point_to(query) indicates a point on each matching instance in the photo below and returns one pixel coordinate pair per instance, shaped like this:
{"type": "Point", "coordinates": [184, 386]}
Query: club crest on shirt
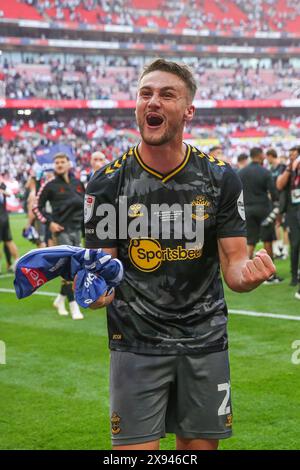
{"type": "Point", "coordinates": [115, 423]}
{"type": "Point", "coordinates": [201, 200]}
{"type": "Point", "coordinates": [199, 204]}
{"type": "Point", "coordinates": [228, 421]}
{"type": "Point", "coordinates": [135, 210]}
{"type": "Point", "coordinates": [89, 202]}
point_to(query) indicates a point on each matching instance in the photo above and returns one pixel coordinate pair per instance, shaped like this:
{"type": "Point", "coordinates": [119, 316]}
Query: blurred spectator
{"type": "Point", "coordinates": [289, 183]}
{"type": "Point", "coordinates": [217, 152]}
{"type": "Point", "coordinates": [242, 161]}
{"type": "Point", "coordinates": [80, 77]}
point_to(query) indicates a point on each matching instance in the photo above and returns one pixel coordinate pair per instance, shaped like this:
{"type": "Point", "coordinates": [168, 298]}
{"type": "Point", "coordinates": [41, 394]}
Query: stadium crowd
{"type": "Point", "coordinates": [78, 77]}
{"type": "Point", "coordinates": [19, 138]}
{"type": "Point", "coordinates": [85, 137]}
{"type": "Point", "coordinates": [239, 16]}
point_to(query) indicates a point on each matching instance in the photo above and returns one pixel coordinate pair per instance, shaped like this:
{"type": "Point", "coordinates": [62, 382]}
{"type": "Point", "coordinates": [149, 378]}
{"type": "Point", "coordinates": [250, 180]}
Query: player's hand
{"type": "Point", "coordinates": [278, 220]}
{"type": "Point", "coordinates": [257, 270]}
{"type": "Point", "coordinates": [103, 301]}
{"type": "Point", "coordinates": [55, 228]}
{"type": "Point", "coordinates": [295, 164]}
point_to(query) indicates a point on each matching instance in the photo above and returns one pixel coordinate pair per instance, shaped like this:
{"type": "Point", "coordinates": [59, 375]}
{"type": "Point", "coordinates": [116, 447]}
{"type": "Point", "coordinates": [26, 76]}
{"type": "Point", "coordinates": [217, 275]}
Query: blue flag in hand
{"type": "Point", "coordinates": [97, 272]}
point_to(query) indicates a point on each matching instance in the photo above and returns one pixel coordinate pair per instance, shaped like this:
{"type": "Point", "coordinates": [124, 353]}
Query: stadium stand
{"type": "Point", "coordinates": [80, 77]}
{"type": "Point", "coordinates": [272, 15]}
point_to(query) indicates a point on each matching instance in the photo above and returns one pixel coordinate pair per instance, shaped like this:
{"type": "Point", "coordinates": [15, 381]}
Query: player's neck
{"type": "Point", "coordinates": [162, 158]}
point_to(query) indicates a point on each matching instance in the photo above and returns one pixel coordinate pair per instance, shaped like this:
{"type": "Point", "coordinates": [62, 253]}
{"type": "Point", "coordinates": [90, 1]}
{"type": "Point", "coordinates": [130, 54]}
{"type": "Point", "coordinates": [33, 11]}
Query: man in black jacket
{"type": "Point", "coordinates": [65, 193]}
{"type": "Point", "coordinates": [259, 193]}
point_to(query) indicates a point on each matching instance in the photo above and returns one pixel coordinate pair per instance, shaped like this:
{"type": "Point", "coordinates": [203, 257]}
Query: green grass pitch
{"type": "Point", "coordinates": [54, 385]}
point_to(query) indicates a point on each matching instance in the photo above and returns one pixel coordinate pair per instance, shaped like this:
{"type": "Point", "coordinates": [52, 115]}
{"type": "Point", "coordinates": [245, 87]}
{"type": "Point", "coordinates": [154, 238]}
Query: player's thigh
{"type": "Point", "coordinates": [268, 234]}
{"type": "Point", "coordinates": [6, 233]}
{"type": "Point", "coordinates": [139, 389]}
{"type": "Point", "coordinates": [202, 408]}
{"type": "Point", "coordinates": [253, 226]}
{"type": "Point", "coordinates": [75, 237]}
{"type": "Point", "coordinates": [293, 227]}
{"type": "Point", "coordinates": [62, 238]}
{"type": "Point", "coordinates": [41, 230]}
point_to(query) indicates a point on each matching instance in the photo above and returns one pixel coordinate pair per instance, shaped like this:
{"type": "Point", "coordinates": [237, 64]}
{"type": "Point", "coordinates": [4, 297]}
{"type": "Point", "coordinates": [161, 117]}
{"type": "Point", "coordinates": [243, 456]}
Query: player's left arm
{"type": "Point", "coordinates": [240, 273]}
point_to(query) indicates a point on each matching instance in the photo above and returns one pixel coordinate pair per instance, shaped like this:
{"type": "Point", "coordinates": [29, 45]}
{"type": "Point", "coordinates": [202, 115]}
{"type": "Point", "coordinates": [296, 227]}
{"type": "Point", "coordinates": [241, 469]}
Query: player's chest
{"type": "Point", "coordinates": [155, 204]}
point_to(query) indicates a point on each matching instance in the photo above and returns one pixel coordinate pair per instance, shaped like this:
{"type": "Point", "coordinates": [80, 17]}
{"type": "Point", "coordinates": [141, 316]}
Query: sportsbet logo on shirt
{"type": "Point", "coordinates": [147, 255]}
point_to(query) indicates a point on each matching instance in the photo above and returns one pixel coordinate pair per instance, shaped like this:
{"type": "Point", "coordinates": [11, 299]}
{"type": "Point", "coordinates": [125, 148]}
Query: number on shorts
{"type": "Point", "coordinates": [224, 409]}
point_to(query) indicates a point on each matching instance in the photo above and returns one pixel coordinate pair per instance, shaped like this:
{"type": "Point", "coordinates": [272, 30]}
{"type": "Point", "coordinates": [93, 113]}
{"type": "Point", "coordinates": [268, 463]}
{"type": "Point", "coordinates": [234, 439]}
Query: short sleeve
{"type": "Point", "coordinates": [231, 220]}
{"type": "Point", "coordinates": [101, 211]}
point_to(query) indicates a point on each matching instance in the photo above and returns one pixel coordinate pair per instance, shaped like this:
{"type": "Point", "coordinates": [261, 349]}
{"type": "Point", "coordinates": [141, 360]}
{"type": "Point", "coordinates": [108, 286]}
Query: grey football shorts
{"type": "Point", "coordinates": [69, 237]}
{"type": "Point", "coordinates": [154, 395]}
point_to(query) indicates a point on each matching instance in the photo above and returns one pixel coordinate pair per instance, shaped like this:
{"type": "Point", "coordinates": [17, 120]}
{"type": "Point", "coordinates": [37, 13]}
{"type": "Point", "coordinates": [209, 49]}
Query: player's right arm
{"type": "Point", "coordinates": [101, 190]}
{"type": "Point", "coordinates": [105, 300]}
{"type": "Point", "coordinates": [39, 210]}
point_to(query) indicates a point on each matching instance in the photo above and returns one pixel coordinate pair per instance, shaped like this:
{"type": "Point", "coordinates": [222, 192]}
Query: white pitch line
{"type": "Point", "coordinates": [12, 291]}
{"type": "Point", "coordinates": [261, 314]}
{"type": "Point", "coordinates": [247, 313]}
{"type": "Point", "coordinates": [3, 276]}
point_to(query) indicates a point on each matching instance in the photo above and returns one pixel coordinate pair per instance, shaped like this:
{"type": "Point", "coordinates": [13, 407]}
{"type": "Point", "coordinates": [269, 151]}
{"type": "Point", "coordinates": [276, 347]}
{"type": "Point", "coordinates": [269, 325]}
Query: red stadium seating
{"type": "Point", "coordinates": [216, 15]}
{"type": "Point", "coordinates": [19, 10]}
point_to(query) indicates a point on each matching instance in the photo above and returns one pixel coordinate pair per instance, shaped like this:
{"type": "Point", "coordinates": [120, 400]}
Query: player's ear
{"type": "Point", "coordinates": [189, 113]}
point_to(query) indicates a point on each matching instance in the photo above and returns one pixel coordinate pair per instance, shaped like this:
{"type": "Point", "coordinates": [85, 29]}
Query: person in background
{"type": "Point", "coordinates": [65, 193]}
{"type": "Point", "coordinates": [5, 232]}
{"type": "Point", "coordinates": [289, 183]}
{"type": "Point", "coordinates": [98, 160]}
{"type": "Point", "coordinates": [217, 152]}
{"type": "Point", "coordinates": [242, 161]}
{"type": "Point", "coordinates": [281, 244]}
{"type": "Point", "coordinates": [259, 197]}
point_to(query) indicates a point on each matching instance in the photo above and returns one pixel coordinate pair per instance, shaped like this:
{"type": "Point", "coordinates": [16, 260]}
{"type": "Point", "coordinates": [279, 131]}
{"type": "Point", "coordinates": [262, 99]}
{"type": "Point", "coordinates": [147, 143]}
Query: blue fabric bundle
{"type": "Point", "coordinates": [97, 272]}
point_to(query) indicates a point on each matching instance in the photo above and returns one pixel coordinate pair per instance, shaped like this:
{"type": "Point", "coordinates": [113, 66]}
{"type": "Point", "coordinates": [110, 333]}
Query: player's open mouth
{"type": "Point", "coordinates": [154, 120]}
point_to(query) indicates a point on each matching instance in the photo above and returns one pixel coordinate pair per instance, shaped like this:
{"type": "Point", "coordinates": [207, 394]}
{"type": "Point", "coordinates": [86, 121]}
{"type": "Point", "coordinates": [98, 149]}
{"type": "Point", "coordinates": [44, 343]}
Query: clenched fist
{"type": "Point", "coordinates": [257, 270]}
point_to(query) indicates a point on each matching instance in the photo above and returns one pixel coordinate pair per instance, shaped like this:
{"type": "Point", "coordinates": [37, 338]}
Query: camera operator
{"type": "Point", "coordinates": [289, 182]}
{"type": "Point", "coordinates": [281, 244]}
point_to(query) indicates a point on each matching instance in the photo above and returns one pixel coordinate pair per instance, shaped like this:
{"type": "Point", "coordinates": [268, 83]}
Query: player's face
{"type": "Point", "coordinates": [97, 163]}
{"type": "Point", "coordinates": [163, 107]}
{"type": "Point", "coordinates": [218, 153]}
{"type": "Point", "coordinates": [261, 158]}
{"type": "Point", "coordinates": [61, 166]}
